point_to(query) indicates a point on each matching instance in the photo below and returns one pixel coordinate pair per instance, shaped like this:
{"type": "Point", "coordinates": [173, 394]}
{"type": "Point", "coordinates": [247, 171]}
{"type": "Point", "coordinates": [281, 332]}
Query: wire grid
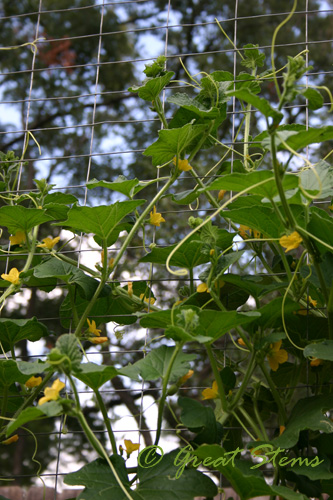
{"type": "Point", "coordinates": [92, 155]}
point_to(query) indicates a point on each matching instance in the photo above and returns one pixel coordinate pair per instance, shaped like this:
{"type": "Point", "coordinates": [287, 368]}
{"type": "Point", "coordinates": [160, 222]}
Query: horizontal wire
{"type": "Point", "coordinates": [176, 56]}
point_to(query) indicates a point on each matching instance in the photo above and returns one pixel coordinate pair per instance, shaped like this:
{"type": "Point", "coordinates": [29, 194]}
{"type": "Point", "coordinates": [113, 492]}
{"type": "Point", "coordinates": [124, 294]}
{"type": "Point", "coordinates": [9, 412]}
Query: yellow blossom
{"type": "Point", "coordinates": [184, 378]}
{"type": "Point", "coordinates": [202, 288]}
{"type": "Point", "coordinates": [150, 301]}
{"type": "Point", "coordinates": [98, 340]}
{"type": "Point", "coordinates": [316, 362]}
{"type": "Point", "coordinates": [221, 194]}
{"type": "Point", "coordinates": [111, 261]}
{"type": "Point", "coordinates": [13, 276]}
{"type": "Point", "coordinates": [130, 288]}
{"type": "Point", "coordinates": [257, 452]}
{"type": "Point", "coordinates": [212, 252]}
{"type": "Point", "coordinates": [92, 328]}
{"type": "Point", "coordinates": [241, 342]}
{"type": "Point", "coordinates": [246, 231]}
{"type": "Point", "coordinates": [49, 242]}
{"type": "Point", "coordinates": [33, 382]}
{"type": "Point", "coordinates": [10, 440]}
{"type": "Point", "coordinates": [276, 356]}
{"type": "Point", "coordinates": [17, 238]}
{"type": "Point", "coordinates": [155, 218]}
{"type": "Point", "coordinates": [211, 393]}
{"type": "Point", "coordinates": [183, 165]}
{"type": "Point", "coordinates": [291, 241]}
{"type": "Point", "coordinates": [282, 429]}
{"type": "Point", "coordinates": [313, 302]}
{"type": "Point", "coordinates": [130, 447]}
{"type": "Point", "coordinates": [52, 393]}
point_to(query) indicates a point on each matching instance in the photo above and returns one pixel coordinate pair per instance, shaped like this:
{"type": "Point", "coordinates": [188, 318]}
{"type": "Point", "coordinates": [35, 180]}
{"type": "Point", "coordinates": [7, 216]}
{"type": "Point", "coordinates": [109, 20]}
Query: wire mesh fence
{"type": "Point", "coordinates": [67, 93]}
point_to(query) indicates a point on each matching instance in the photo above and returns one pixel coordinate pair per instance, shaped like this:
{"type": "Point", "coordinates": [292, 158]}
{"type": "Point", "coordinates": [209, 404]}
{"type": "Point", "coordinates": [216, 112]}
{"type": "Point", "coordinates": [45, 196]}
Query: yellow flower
{"type": "Point", "coordinates": [212, 252]}
{"type": "Point", "coordinates": [92, 328]}
{"type": "Point", "coordinates": [52, 393]}
{"type": "Point", "coordinates": [202, 288]}
{"type": "Point", "coordinates": [282, 429]}
{"type": "Point", "coordinates": [211, 393]}
{"type": "Point", "coordinates": [130, 447]}
{"type": "Point", "coordinates": [316, 362]}
{"type": "Point", "coordinates": [150, 301]}
{"type": "Point", "coordinates": [221, 194]}
{"type": "Point", "coordinates": [290, 242]}
{"type": "Point", "coordinates": [313, 302]}
{"type": "Point", "coordinates": [49, 242]}
{"type": "Point", "coordinates": [130, 288]}
{"type": "Point", "coordinates": [33, 382]}
{"type": "Point", "coordinates": [246, 231]}
{"type": "Point", "coordinates": [155, 218]}
{"type": "Point", "coordinates": [18, 238]}
{"type": "Point", "coordinates": [98, 340]}
{"type": "Point", "coordinates": [276, 356]}
{"type": "Point", "coordinates": [111, 261]}
{"type": "Point", "coordinates": [183, 165]}
{"type": "Point", "coordinates": [13, 276]}
{"type": "Point", "coordinates": [241, 342]}
{"type": "Point", "coordinates": [184, 378]}
{"type": "Point", "coordinates": [10, 440]}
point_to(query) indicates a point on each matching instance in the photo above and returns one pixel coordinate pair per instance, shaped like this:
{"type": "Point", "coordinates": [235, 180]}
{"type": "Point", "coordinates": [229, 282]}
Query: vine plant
{"type": "Point", "coordinates": [263, 203]}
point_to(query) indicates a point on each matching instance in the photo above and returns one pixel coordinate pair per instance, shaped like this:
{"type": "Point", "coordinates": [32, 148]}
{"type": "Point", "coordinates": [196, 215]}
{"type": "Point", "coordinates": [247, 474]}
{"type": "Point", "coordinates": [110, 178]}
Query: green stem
{"type": "Point", "coordinates": [89, 307]}
{"type": "Point", "coordinates": [275, 393]}
{"type": "Point", "coordinates": [191, 281]}
{"type": "Point", "coordinates": [243, 387]}
{"type": "Point", "coordinates": [251, 422]}
{"type": "Point", "coordinates": [178, 347]}
{"type": "Point", "coordinates": [259, 420]}
{"type": "Point", "coordinates": [4, 405]}
{"type": "Point", "coordinates": [107, 421]}
{"type": "Point", "coordinates": [247, 130]}
{"type": "Point", "coordinates": [160, 111]}
{"type": "Point", "coordinates": [218, 379]}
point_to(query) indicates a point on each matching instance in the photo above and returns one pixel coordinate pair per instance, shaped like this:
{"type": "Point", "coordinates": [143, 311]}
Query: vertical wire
{"type": "Point", "coordinates": [154, 228]}
{"type": "Point", "coordinates": [85, 202]}
{"type": "Point", "coordinates": [26, 135]}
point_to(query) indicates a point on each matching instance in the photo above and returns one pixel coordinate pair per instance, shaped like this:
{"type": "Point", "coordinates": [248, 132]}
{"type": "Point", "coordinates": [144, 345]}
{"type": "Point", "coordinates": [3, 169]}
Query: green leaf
{"type": "Point", "coordinates": [94, 376]}
{"type": "Point", "coordinates": [18, 218]}
{"type": "Point", "coordinates": [172, 142]}
{"type": "Point", "coordinates": [185, 197]}
{"type": "Point", "coordinates": [318, 180]}
{"type": "Point", "coordinates": [258, 102]}
{"type": "Point", "coordinates": [322, 350]}
{"type": "Point", "coordinates": [308, 413]}
{"type": "Point", "coordinates": [155, 364]}
{"type": "Point", "coordinates": [238, 182]}
{"type": "Point", "coordinates": [128, 187]}
{"type": "Point", "coordinates": [253, 58]}
{"type": "Point", "coordinates": [247, 483]}
{"type": "Point", "coordinates": [67, 346]}
{"type": "Point", "coordinates": [56, 204]}
{"type": "Point", "coordinates": [160, 482]}
{"type": "Point", "coordinates": [101, 220]}
{"type": "Point", "coordinates": [49, 409]}
{"type": "Point", "coordinates": [315, 99]}
{"type": "Point", "coordinates": [300, 139]}
{"type": "Point", "coordinates": [257, 286]}
{"type": "Point", "coordinates": [9, 373]}
{"type": "Point", "coordinates": [184, 101]}
{"type": "Point", "coordinates": [321, 226]}
{"type": "Point", "coordinates": [151, 88]}
{"type": "Point", "coordinates": [32, 368]}
{"type": "Point", "coordinates": [201, 420]}
{"type": "Point", "coordinates": [189, 254]}
{"type": "Point", "coordinates": [55, 268]}
{"type": "Point", "coordinates": [99, 481]}
{"type": "Point", "coordinates": [15, 330]}
{"type": "Point", "coordinates": [321, 471]}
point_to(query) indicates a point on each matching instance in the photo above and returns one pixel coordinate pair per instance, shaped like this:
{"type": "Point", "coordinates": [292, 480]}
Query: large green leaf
{"type": "Point", "coordinates": [9, 373]}
{"type": "Point", "coordinates": [156, 363]}
{"type": "Point", "coordinates": [171, 142]}
{"type": "Point", "coordinates": [201, 420]}
{"type": "Point", "coordinates": [150, 89]}
{"type": "Point", "coordinates": [300, 139]}
{"type": "Point", "coordinates": [94, 376]}
{"type": "Point", "coordinates": [322, 350]}
{"type": "Point", "coordinates": [99, 481]}
{"type": "Point", "coordinates": [258, 102]}
{"type": "Point", "coordinates": [55, 268]}
{"type": "Point", "coordinates": [66, 354]}
{"type": "Point", "coordinates": [101, 220]}
{"type": "Point", "coordinates": [15, 330]}
{"type": "Point", "coordinates": [321, 226]}
{"type": "Point", "coordinates": [247, 483]}
{"type": "Point", "coordinates": [319, 180]}
{"type": "Point", "coordinates": [56, 204]}
{"type": "Point", "coordinates": [321, 471]}
{"type": "Point", "coordinates": [49, 409]}
{"type": "Point", "coordinates": [32, 368]}
{"type": "Point", "coordinates": [308, 413]}
{"type": "Point", "coordinates": [184, 101]}
{"type": "Point", "coordinates": [257, 286]}
{"type": "Point", "coordinates": [238, 182]}
{"type": "Point", "coordinates": [128, 187]}
{"type": "Point", "coordinates": [18, 218]}
{"type": "Point", "coordinates": [161, 482]}
{"type": "Point", "coordinates": [315, 99]}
